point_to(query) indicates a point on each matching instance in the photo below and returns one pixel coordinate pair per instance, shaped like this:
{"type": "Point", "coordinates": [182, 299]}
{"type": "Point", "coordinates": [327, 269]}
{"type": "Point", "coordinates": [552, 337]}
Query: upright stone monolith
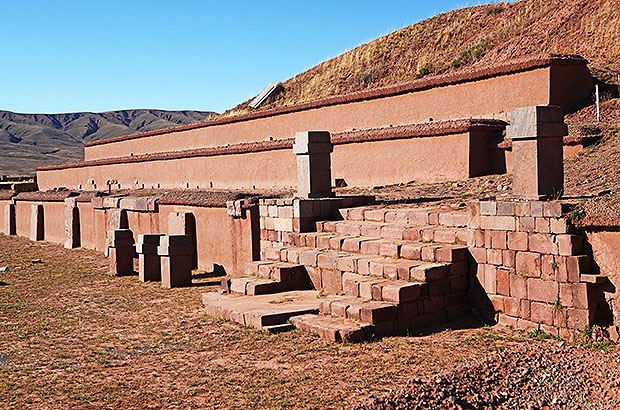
{"type": "Point", "coordinates": [537, 151]}
{"type": "Point", "coordinates": [149, 266]}
{"type": "Point", "coordinates": [9, 220]}
{"type": "Point", "coordinates": [314, 176]}
{"type": "Point", "coordinates": [37, 232]}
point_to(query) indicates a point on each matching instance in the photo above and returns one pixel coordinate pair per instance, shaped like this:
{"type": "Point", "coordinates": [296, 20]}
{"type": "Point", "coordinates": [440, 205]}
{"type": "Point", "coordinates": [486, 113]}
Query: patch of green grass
{"type": "Point", "coordinates": [539, 334]}
{"type": "Point", "coordinates": [473, 53]}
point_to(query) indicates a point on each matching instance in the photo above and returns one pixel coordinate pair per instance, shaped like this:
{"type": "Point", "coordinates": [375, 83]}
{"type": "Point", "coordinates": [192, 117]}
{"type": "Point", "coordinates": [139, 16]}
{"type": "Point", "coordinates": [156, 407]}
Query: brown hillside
{"type": "Point", "coordinates": [474, 36]}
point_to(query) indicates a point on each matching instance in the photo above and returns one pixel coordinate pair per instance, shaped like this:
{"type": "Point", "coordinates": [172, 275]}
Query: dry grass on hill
{"type": "Point", "coordinates": [474, 36]}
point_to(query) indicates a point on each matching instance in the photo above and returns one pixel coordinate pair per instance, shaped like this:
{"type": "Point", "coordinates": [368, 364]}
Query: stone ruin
{"type": "Point", "coordinates": [345, 267]}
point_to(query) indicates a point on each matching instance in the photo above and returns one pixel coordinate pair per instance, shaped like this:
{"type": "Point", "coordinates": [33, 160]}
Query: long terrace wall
{"type": "Point", "coordinates": [224, 242]}
{"type": "Point", "coordinates": [479, 93]}
{"type": "Point", "coordinates": [447, 150]}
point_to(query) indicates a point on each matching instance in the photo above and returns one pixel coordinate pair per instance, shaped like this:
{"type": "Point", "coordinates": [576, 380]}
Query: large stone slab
{"type": "Point", "coordinates": [261, 311]}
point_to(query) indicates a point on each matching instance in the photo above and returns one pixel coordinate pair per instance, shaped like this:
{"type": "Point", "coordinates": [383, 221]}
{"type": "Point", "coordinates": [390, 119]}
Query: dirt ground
{"type": "Point", "coordinates": [72, 337]}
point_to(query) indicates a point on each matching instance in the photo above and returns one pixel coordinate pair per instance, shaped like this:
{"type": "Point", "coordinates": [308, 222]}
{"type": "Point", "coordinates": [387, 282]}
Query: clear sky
{"type": "Point", "coordinates": [103, 55]}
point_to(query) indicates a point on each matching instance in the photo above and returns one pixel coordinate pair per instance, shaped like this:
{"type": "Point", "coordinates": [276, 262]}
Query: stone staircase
{"type": "Point", "coordinates": [378, 271]}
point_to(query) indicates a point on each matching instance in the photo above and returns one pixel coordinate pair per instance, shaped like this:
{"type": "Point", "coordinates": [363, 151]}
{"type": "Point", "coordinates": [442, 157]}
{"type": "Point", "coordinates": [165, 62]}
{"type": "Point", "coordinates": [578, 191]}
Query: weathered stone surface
{"type": "Point", "coordinates": [37, 232]}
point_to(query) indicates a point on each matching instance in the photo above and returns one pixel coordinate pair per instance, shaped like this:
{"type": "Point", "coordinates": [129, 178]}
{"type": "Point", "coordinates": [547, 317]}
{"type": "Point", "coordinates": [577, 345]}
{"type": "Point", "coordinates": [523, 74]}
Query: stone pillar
{"type": "Point", "coordinates": [184, 223]}
{"type": "Point", "coordinates": [72, 224]}
{"type": "Point", "coordinates": [36, 223]}
{"type": "Point", "coordinates": [121, 252]}
{"type": "Point", "coordinates": [9, 219]}
{"type": "Point", "coordinates": [314, 175]}
{"type": "Point", "coordinates": [176, 261]}
{"type": "Point", "coordinates": [148, 260]}
{"type": "Point", "coordinates": [537, 151]}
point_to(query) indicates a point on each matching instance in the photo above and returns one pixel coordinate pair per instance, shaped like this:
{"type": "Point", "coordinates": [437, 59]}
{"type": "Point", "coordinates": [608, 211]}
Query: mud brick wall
{"type": "Point", "coordinates": [529, 268]}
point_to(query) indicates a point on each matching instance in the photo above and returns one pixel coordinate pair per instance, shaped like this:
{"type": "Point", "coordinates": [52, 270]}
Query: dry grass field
{"type": "Point", "coordinates": [72, 337]}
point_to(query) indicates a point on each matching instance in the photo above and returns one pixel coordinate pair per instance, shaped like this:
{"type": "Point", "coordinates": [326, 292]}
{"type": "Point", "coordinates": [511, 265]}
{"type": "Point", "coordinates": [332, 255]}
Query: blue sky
{"type": "Point", "coordinates": [69, 56]}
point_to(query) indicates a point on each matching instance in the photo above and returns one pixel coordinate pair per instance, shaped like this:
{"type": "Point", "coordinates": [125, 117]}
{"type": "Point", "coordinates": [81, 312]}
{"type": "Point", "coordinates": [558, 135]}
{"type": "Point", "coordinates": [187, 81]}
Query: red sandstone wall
{"type": "Point", "coordinates": [3, 205]}
{"type": "Point", "coordinates": [145, 222]}
{"type": "Point", "coordinates": [493, 96]}
{"type": "Point", "coordinates": [221, 239]}
{"type": "Point", "coordinates": [260, 169]}
{"type": "Point", "coordinates": [438, 158]}
{"type": "Point", "coordinates": [529, 269]}
{"type": "Point", "coordinates": [569, 86]}
{"type": "Point", "coordinates": [389, 162]}
{"type": "Point", "coordinates": [53, 219]}
{"type": "Point", "coordinates": [22, 218]}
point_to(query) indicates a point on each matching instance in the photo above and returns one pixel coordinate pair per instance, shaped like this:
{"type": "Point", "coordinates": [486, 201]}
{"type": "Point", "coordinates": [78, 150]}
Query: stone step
{"type": "Point", "coordinates": [369, 265]}
{"type": "Point", "coordinates": [379, 289]}
{"type": "Point", "coordinates": [334, 329]}
{"type": "Point", "coordinates": [261, 311]}
{"type": "Point", "coordinates": [592, 278]}
{"type": "Point", "coordinates": [399, 231]}
{"type": "Point", "coordinates": [361, 310]}
{"type": "Point", "coordinates": [393, 248]}
{"type": "Point", "coordinates": [248, 285]}
{"type": "Point", "coordinates": [289, 276]}
{"type": "Point", "coordinates": [412, 216]}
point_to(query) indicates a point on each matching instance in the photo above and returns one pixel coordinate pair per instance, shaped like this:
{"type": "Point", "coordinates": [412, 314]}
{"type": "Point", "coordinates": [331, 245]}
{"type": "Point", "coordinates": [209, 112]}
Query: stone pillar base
{"type": "Point", "coordinates": [176, 261]}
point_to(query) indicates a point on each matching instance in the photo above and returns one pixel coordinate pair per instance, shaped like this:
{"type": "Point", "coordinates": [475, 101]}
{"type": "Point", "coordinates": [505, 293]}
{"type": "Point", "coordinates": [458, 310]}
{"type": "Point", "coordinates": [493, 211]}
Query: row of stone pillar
{"type": "Point", "coordinates": [165, 258]}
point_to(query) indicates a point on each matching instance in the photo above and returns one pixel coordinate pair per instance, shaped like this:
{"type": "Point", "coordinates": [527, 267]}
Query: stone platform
{"type": "Point", "coordinates": [270, 312]}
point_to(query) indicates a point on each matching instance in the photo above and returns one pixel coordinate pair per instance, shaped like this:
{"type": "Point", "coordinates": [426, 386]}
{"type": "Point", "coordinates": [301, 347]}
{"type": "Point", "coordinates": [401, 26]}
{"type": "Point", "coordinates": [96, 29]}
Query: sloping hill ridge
{"type": "Point", "coordinates": [32, 140]}
{"type": "Point", "coordinates": [465, 38]}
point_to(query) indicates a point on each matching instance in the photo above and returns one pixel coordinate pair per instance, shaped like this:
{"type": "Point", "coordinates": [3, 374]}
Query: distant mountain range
{"type": "Point", "coordinates": [32, 140]}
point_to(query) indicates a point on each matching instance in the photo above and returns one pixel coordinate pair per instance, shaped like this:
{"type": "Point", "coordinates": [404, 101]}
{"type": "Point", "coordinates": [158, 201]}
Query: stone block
{"type": "Point", "coordinates": [541, 313]}
{"type": "Point", "coordinates": [503, 282]}
{"type": "Point", "coordinates": [411, 251]}
{"type": "Point", "coordinates": [313, 149]}
{"type": "Point", "coordinates": [528, 264]}
{"type": "Point", "coordinates": [399, 293]}
{"type": "Point", "coordinates": [331, 281]}
{"type": "Point", "coordinates": [479, 255]}
{"type": "Point", "coordinates": [72, 225]}
{"type": "Point", "coordinates": [505, 208]}
{"type": "Point", "coordinates": [176, 270]}
{"type": "Point", "coordinates": [488, 208]}
{"type": "Point", "coordinates": [375, 215]}
{"type": "Point", "coordinates": [499, 240]}
{"type": "Point", "coordinates": [578, 319]}
{"type": "Point", "coordinates": [558, 225]}
{"type": "Point", "coordinates": [542, 290]}
{"type": "Point", "coordinates": [518, 286]}
{"type": "Point", "coordinates": [575, 266]}
{"type": "Point", "coordinates": [542, 225]}
{"type": "Point", "coordinates": [9, 220]}
{"type": "Point", "coordinates": [569, 245]}
{"type": "Point", "coordinates": [149, 267]}
{"type": "Point", "coordinates": [536, 121]}
{"type": "Point", "coordinates": [543, 243]}
{"type": "Point", "coordinates": [526, 224]}
{"type": "Point", "coordinates": [37, 232]}
{"type": "Point", "coordinates": [523, 208]}
{"type": "Point", "coordinates": [506, 223]}
{"type": "Point", "coordinates": [120, 260]}
{"type": "Point", "coordinates": [517, 241]}
{"type": "Point", "coordinates": [494, 256]}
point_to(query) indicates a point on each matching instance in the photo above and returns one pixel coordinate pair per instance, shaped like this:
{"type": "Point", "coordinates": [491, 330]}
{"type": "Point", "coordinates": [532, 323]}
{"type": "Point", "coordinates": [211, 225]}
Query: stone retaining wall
{"type": "Point", "coordinates": [530, 268]}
